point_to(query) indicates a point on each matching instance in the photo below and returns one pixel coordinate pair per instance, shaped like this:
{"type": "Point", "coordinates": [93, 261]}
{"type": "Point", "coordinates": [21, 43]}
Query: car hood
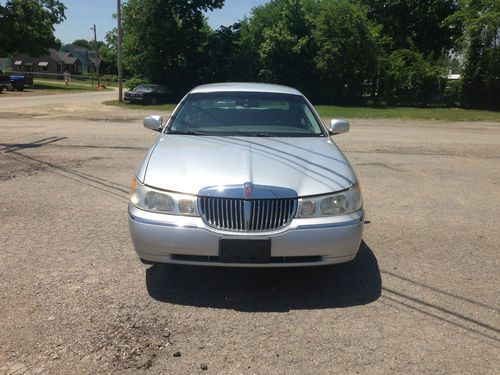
{"type": "Point", "coordinates": [187, 164]}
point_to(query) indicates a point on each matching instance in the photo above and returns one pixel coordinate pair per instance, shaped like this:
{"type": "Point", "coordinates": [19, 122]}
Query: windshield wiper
{"type": "Point", "coordinates": [188, 132]}
{"type": "Point", "coordinates": [261, 135]}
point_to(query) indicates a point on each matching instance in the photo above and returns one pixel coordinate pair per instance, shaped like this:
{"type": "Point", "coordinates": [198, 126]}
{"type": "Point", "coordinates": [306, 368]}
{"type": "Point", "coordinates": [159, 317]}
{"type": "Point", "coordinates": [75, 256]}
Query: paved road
{"type": "Point", "coordinates": [422, 297]}
{"type": "Point", "coordinates": [57, 100]}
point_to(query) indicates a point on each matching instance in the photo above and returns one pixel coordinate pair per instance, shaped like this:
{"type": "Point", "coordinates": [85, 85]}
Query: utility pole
{"type": "Point", "coordinates": [98, 60]}
{"type": "Point", "coordinates": [119, 48]}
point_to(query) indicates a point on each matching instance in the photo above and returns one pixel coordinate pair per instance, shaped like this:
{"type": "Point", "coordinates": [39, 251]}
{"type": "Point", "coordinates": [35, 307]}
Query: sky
{"type": "Point", "coordinates": [81, 15]}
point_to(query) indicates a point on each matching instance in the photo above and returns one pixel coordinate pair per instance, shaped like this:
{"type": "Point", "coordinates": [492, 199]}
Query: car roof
{"type": "Point", "coordinates": [245, 87]}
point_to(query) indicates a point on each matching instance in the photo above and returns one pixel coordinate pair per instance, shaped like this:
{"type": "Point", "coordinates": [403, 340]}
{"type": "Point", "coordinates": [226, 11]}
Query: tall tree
{"type": "Point", "coordinates": [480, 45]}
{"type": "Point", "coordinates": [281, 35]}
{"type": "Point", "coordinates": [162, 40]}
{"type": "Point", "coordinates": [348, 50]}
{"type": "Point", "coordinates": [28, 26]}
{"type": "Point", "coordinates": [224, 56]}
{"type": "Point", "coordinates": [416, 24]}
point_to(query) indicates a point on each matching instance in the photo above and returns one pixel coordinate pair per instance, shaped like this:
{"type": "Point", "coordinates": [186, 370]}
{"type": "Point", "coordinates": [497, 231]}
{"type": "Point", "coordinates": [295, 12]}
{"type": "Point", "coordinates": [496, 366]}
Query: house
{"type": "Point", "coordinates": [53, 62]}
{"type": "Point", "coordinates": [71, 58]}
{"type": "Point", "coordinates": [87, 58]}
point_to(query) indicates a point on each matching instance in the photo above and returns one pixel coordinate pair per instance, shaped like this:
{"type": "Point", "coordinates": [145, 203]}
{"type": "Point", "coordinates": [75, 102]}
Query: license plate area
{"type": "Point", "coordinates": [245, 251]}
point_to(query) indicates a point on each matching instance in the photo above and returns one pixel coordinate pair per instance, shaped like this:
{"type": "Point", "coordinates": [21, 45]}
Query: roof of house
{"type": "Point", "coordinates": [64, 57]}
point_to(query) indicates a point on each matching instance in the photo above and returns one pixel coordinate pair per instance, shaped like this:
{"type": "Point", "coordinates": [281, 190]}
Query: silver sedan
{"type": "Point", "coordinates": [245, 174]}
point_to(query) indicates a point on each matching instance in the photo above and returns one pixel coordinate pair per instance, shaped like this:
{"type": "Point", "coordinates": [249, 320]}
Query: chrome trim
{"type": "Point", "coordinates": [247, 215]}
{"type": "Point", "coordinates": [256, 192]}
{"type": "Point", "coordinates": [159, 223]}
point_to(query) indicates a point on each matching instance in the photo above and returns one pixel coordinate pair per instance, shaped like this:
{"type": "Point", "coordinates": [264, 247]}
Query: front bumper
{"type": "Point", "coordinates": [134, 99]}
{"type": "Point", "coordinates": [188, 240]}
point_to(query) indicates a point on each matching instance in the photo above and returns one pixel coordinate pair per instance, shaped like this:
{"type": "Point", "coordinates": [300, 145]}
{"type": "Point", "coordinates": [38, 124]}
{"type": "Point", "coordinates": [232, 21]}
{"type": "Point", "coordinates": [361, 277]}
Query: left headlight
{"type": "Point", "coordinates": [162, 202]}
{"type": "Point", "coordinates": [342, 203]}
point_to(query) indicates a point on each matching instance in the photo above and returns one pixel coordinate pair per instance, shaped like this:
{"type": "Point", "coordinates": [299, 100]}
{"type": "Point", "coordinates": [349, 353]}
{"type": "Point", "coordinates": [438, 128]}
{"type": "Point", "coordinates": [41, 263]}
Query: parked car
{"type": "Point", "coordinates": [147, 94]}
{"type": "Point", "coordinates": [5, 83]}
{"type": "Point", "coordinates": [245, 174]}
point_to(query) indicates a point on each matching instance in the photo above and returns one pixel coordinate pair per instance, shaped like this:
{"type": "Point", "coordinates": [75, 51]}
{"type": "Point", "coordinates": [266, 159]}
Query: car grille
{"type": "Point", "coordinates": [241, 215]}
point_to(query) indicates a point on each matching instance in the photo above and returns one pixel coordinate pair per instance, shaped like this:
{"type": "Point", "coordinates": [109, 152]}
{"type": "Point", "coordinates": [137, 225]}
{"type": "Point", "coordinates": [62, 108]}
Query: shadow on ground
{"type": "Point", "coordinates": [269, 290]}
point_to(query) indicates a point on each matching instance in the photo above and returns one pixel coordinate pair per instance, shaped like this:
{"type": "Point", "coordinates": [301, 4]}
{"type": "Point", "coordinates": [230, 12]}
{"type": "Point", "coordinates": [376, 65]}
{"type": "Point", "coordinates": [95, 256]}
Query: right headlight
{"type": "Point", "coordinates": [341, 203]}
{"type": "Point", "coordinates": [162, 202]}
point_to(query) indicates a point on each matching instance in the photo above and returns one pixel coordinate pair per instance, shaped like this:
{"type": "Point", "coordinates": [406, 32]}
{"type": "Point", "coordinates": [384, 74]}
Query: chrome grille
{"type": "Point", "coordinates": [246, 215]}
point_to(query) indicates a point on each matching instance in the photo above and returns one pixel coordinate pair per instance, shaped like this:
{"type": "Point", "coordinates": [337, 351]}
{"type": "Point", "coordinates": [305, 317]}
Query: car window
{"type": "Point", "coordinates": [143, 88]}
{"type": "Point", "coordinates": [246, 114]}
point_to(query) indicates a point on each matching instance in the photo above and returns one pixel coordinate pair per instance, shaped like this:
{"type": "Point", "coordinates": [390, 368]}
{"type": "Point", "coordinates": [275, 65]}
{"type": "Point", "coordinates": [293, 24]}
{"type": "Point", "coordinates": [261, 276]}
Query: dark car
{"type": "Point", "coordinates": [147, 93]}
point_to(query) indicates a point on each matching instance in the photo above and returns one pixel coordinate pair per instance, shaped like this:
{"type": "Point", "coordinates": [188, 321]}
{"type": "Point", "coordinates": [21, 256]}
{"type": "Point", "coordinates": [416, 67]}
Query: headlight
{"type": "Point", "coordinates": [343, 203]}
{"type": "Point", "coordinates": [163, 202]}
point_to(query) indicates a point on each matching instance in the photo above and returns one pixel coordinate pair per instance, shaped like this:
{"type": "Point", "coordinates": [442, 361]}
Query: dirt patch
{"type": "Point", "coordinates": [14, 168]}
{"type": "Point", "coordinates": [111, 119]}
{"type": "Point", "coordinates": [9, 115]}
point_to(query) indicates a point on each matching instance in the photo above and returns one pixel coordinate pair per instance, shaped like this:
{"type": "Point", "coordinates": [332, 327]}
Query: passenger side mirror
{"type": "Point", "coordinates": [153, 122]}
{"type": "Point", "coordinates": [338, 126]}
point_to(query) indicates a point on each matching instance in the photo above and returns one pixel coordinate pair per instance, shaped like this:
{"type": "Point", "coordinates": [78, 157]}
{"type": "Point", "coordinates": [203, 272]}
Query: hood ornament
{"type": "Point", "coordinates": [248, 189]}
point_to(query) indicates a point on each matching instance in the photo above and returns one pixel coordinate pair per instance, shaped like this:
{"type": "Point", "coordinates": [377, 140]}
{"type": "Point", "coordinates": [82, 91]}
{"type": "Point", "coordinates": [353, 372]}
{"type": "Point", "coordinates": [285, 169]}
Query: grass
{"type": "Point", "coordinates": [406, 113]}
{"type": "Point", "coordinates": [61, 87]}
{"type": "Point", "coordinates": [159, 107]}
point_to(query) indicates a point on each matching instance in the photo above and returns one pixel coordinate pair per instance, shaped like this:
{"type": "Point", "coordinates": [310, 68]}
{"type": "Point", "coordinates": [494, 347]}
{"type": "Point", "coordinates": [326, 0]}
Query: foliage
{"type": "Point", "coordinates": [89, 44]}
{"type": "Point", "coordinates": [452, 96]}
{"type": "Point", "coordinates": [409, 78]}
{"type": "Point", "coordinates": [27, 26]}
{"type": "Point", "coordinates": [416, 24]}
{"type": "Point", "coordinates": [162, 40]}
{"type": "Point", "coordinates": [481, 47]}
{"type": "Point", "coordinates": [348, 49]}
{"type": "Point", "coordinates": [135, 81]}
{"type": "Point", "coordinates": [225, 59]}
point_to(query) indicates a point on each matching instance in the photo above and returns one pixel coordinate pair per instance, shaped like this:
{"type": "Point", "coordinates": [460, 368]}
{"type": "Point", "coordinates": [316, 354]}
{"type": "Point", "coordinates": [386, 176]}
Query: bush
{"type": "Point", "coordinates": [410, 79]}
{"type": "Point", "coordinates": [109, 77]}
{"type": "Point", "coordinates": [453, 93]}
{"type": "Point", "coordinates": [132, 82]}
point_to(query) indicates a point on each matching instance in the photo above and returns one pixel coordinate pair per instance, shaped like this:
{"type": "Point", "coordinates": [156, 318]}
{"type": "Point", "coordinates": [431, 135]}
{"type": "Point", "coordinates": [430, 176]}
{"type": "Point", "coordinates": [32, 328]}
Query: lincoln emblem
{"type": "Point", "coordinates": [248, 189]}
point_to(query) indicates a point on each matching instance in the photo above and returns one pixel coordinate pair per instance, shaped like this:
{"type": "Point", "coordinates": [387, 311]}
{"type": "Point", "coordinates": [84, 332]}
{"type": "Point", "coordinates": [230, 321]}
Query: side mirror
{"type": "Point", "coordinates": [153, 123]}
{"type": "Point", "coordinates": [338, 126]}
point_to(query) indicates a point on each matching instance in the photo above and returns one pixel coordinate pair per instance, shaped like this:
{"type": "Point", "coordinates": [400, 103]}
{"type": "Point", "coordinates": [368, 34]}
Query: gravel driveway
{"type": "Point", "coordinates": [422, 296]}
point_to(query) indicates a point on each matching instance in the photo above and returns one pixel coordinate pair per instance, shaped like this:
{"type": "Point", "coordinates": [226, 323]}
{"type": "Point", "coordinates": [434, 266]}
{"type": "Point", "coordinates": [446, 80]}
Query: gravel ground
{"type": "Point", "coordinates": [422, 296]}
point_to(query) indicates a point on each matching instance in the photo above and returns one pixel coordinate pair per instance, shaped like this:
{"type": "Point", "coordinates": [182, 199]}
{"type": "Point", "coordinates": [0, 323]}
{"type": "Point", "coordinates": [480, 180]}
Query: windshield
{"type": "Point", "coordinates": [245, 114]}
{"type": "Point", "coordinates": [144, 88]}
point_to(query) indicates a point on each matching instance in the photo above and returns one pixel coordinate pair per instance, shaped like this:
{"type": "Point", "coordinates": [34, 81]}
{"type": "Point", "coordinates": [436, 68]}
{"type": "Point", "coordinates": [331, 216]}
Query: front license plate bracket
{"type": "Point", "coordinates": [245, 251]}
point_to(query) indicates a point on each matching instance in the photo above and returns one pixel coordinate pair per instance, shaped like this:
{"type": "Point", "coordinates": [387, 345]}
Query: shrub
{"type": "Point", "coordinates": [132, 82]}
{"type": "Point", "coordinates": [410, 79]}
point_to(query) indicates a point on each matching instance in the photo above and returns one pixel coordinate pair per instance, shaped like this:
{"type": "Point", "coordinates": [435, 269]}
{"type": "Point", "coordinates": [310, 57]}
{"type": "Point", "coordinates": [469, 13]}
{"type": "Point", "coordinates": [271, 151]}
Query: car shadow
{"type": "Point", "coordinates": [267, 289]}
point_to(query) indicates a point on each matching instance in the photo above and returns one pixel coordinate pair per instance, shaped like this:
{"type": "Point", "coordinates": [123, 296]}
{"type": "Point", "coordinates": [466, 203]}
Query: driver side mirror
{"type": "Point", "coordinates": [153, 122]}
{"type": "Point", "coordinates": [338, 126]}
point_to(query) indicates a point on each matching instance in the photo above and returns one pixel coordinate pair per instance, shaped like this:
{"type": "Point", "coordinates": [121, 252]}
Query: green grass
{"type": "Point", "coordinates": [159, 107]}
{"type": "Point", "coordinates": [47, 84]}
{"type": "Point", "coordinates": [406, 113]}
{"type": "Point", "coordinates": [56, 86]}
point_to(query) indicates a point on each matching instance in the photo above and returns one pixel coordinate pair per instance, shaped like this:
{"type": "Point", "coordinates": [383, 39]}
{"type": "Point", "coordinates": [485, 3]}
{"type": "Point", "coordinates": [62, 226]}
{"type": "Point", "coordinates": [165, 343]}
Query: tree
{"type": "Point", "coordinates": [416, 24]}
{"type": "Point", "coordinates": [410, 79]}
{"type": "Point", "coordinates": [348, 50]}
{"type": "Point", "coordinates": [480, 45]}
{"type": "Point", "coordinates": [89, 44]}
{"type": "Point", "coordinates": [224, 56]}
{"type": "Point", "coordinates": [27, 26]}
{"type": "Point", "coordinates": [163, 39]}
{"type": "Point", "coordinates": [278, 38]}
